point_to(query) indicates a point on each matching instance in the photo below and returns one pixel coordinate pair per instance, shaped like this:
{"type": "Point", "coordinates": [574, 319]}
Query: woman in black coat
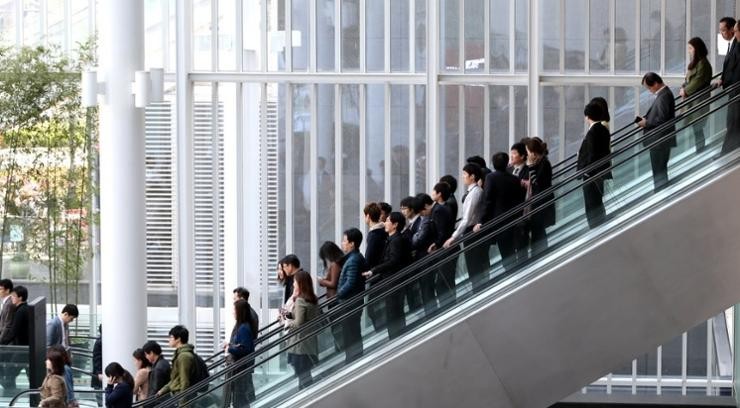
{"type": "Point", "coordinates": [540, 179]}
{"type": "Point", "coordinates": [120, 390]}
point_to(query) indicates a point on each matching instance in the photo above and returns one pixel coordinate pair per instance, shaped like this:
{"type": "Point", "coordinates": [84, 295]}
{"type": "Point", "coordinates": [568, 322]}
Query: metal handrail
{"type": "Point", "coordinates": [37, 391]}
{"type": "Point", "coordinates": [493, 228]}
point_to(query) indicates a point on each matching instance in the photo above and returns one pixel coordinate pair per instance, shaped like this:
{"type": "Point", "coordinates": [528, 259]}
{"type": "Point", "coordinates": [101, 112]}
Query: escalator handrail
{"type": "Point", "coordinates": [569, 163]}
{"type": "Point", "coordinates": [681, 104]}
{"type": "Point", "coordinates": [379, 292]}
{"type": "Point", "coordinates": [36, 391]}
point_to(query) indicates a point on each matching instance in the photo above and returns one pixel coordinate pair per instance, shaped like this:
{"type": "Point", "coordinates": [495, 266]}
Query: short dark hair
{"type": "Point", "coordinates": [592, 111]}
{"type": "Point", "coordinates": [442, 189]}
{"type": "Point", "coordinates": [179, 332]}
{"type": "Point", "coordinates": [651, 78]}
{"type": "Point", "coordinates": [481, 162]}
{"type": "Point", "coordinates": [729, 21]}
{"type": "Point", "coordinates": [397, 218]}
{"type": "Point", "coordinates": [7, 284]}
{"type": "Point", "coordinates": [473, 170]}
{"type": "Point", "coordinates": [385, 207]}
{"type": "Point", "coordinates": [21, 292]}
{"type": "Point", "coordinates": [71, 310]}
{"type": "Point", "coordinates": [520, 148]}
{"type": "Point", "coordinates": [372, 210]}
{"type": "Point", "coordinates": [291, 259]}
{"type": "Point", "coordinates": [152, 346]}
{"type": "Point", "coordinates": [500, 161]}
{"type": "Point", "coordinates": [411, 203]}
{"type": "Point", "coordinates": [604, 106]}
{"type": "Point", "coordinates": [451, 181]}
{"type": "Point", "coordinates": [242, 292]}
{"type": "Point", "coordinates": [354, 236]}
{"type": "Point", "coordinates": [424, 199]}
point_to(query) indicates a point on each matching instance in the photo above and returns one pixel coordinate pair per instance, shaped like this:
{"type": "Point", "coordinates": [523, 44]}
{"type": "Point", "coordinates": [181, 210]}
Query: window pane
{"type": "Point", "coordinates": [551, 120]}
{"type": "Point", "coordinates": [521, 115]}
{"type": "Point", "coordinates": [624, 36]}
{"type": "Point", "coordinates": [474, 35]}
{"type": "Point", "coordinates": [325, 26]}
{"type": "Point", "coordinates": [202, 36]}
{"type": "Point", "coordinates": [650, 35]}
{"type": "Point", "coordinates": [400, 35]}
{"type": "Point", "coordinates": [473, 121]}
{"type": "Point", "coordinates": [449, 129]}
{"type": "Point", "coordinates": [350, 155]}
{"type": "Point", "coordinates": [575, 125]}
{"type": "Point", "coordinates": [522, 35]}
{"type": "Point", "coordinates": [301, 99]}
{"type": "Point", "coordinates": [499, 116]}
{"type": "Point", "coordinates": [575, 35]}
{"type": "Point", "coordinates": [7, 22]}
{"type": "Point", "coordinates": [421, 36]}
{"type": "Point", "coordinates": [276, 35]}
{"type": "Point", "coordinates": [399, 142]}
{"type": "Point", "coordinates": [252, 36]}
{"type": "Point", "coordinates": [500, 13]}
{"type": "Point", "coordinates": [300, 36]}
{"type": "Point", "coordinates": [702, 25]}
{"type": "Point", "coordinates": [600, 47]}
{"type": "Point", "coordinates": [350, 35]}
{"type": "Point", "coordinates": [675, 37]}
{"type": "Point", "coordinates": [450, 35]}
{"type": "Point", "coordinates": [550, 28]}
{"type": "Point", "coordinates": [375, 143]}
{"type": "Point", "coordinates": [374, 27]}
{"type": "Point", "coordinates": [325, 163]}
{"type": "Point", "coordinates": [226, 35]}
{"type": "Point", "coordinates": [420, 138]}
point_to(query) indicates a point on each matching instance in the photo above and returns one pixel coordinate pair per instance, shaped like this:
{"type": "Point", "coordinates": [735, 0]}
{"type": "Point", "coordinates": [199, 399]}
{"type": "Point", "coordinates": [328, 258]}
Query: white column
{"type": "Point", "coordinates": [534, 68]}
{"type": "Point", "coordinates": [185, 187]}
{"type": "Point", "coordinates": [122, 212]}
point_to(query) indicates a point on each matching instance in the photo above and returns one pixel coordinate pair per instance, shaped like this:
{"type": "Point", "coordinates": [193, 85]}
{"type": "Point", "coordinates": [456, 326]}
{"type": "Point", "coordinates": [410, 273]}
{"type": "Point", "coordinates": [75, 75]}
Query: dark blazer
{"type": "Point", "coordinates": [18, 334]}
{"type": "Point", "coordinates": [423, 238]}
{"type": "Point", "coordinates": [159, 376]}
{"type": "Point", "coordinates": [451, 203]}
{"type": "Point", "coordinates": [523, 173]}
{"type": "Point", "coordinates": [731, 66]}
{"type": "Point", "coordinates": [351, 281]}
{"type": "Point", "coordinates": [396, 256]}
{"type": "Point", "coordinates": [6, 317]}
{"type": "Point", "coordinates": [97, 362]}
{"type": "Point", "coordinates": [662, 111]}
{"type": "Point", "coordinates": [120, 396]}
{"type": "Point", "coordinates": [375, 243]}
{"type": "Point", "coordinates": [595, 146]}
{"type": "Point", "coordinates": [540, 179]}
{"type": "Point", "coordinates": [503, 192]}
{"type": "Point", "coordinates": [444, 223]}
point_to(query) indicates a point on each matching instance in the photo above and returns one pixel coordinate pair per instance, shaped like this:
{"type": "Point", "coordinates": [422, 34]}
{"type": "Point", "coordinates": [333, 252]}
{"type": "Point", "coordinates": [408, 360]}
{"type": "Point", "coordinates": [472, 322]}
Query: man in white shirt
{"type": "Point", "coordinates": [471, 200]}
{"type": "Point", "coordinates": [6, 306]}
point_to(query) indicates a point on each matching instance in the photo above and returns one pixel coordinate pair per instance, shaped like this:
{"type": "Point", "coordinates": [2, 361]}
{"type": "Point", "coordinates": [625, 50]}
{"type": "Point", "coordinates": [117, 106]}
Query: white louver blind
{"type": "Point", "coordinates": [207, 163]}
{"type": "Point", "coordinates": [270, 211]}
{"type": "Point", "coordinates": [160, 198]}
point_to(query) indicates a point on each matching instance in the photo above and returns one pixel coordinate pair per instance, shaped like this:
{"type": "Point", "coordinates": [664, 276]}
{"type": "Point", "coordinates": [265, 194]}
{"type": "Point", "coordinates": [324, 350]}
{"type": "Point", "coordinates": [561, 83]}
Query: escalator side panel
{"type": "Point", "coordinates": [658, 276]}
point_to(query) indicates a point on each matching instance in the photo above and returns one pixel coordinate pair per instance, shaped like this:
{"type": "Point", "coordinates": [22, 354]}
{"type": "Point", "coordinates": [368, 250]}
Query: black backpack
{"type": "Point", "coordinates": [200, 373]}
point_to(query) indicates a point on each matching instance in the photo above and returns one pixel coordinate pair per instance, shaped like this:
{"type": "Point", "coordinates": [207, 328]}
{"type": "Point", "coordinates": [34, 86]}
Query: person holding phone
{"type": "Point", "coordinates": [120, 390]}
{"type": "Point", "coordinates": [662, 111]}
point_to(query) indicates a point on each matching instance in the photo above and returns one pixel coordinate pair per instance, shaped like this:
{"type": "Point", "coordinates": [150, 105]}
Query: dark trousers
{"type": "Point", "coordinates": [478, 261]}
{"type": "Point", "coordinates": [395, 317]}
{"type": "Point", "coordinates": [538, 235]}
{"type": "Point", "coordinates": [352, 337]}
{"type": "Point", "coordinates": [445, 285]}
{"type": "Point", "coordinates": [505, 241]}
{"type": "Point", "coordinates": [376, 312]}
{"type": "Point", "coordinates": [659, 157]}
{"type": "Point", "coordinates": [732, 137]}
{"type": "Point", "coordinates": [428, 296]}
{"type": "Point", "coordinates": [699, 138]}
{"type": "Point", "coordinates": [593, 192]}
{"type": "Point", "coordinates": [521, 242]}
{"type": "Point", "coordinates": [242, 389]}
{"type": "Point", "coordinates": [302, 364]}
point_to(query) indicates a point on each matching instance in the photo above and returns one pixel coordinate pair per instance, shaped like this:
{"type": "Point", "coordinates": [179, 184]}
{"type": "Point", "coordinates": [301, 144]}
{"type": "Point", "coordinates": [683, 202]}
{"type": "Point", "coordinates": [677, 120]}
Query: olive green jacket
{"type": "Point", "coordinates": [303, 312]}
{"type": "Point", "coordinates": [183, 365]}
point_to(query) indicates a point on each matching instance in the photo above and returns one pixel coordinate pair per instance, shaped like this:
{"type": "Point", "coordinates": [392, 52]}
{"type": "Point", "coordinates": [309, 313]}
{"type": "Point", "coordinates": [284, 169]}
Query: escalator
{"type": "Point", "coordinates": [533, 333]}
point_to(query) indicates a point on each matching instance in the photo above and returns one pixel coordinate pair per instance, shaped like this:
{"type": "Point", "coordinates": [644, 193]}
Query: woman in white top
{"type": "Point", "coordinates": [471, 201]}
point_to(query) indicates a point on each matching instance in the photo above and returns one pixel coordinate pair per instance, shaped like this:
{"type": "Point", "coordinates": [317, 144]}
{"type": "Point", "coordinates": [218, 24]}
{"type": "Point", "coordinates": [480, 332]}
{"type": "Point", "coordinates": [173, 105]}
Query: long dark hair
{"type": "Point", "coordinates": [304, 282]}
{"type": "Point", "coordinates": [141, 356]}
{"type": "Point", "coordinates": [700, 51]}
{"type": "Point", "coordinates": [536, 146]}
{"type": "Point", "coordinates": [56, 358]}
{"type": "Point", "coordinates": [330, 252]}
{"type": "Point", "coordinates": [115, 370]}
{"type": "Point", "coordinates": [244, 316]}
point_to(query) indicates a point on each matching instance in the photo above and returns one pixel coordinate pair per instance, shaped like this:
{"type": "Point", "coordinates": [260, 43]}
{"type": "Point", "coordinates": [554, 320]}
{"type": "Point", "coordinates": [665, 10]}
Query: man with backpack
{"type": "Point", "coordinates": [187, 367]}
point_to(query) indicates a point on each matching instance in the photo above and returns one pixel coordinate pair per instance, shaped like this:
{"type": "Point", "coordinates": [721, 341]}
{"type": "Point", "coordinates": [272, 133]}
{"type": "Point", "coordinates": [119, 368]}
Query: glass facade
{"type": "Point", "coordinates": [340, 102]}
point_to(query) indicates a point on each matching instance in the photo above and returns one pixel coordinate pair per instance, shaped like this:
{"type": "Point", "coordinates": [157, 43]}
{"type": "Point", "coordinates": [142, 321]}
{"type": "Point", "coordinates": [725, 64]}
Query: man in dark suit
{"type": "Point", "coordinates": [159, 375]}
{"type": "Point", "coordinates": [502, 193]}
{"type": "Point", "coordinates": [518, 167]}
{"type": "Point", "coordinates": [731, 76]}
{"type": "Point", "coordinates": [17, 335]}
{"type": "Point", "coordinates": [594, 147]}
{"type": "Point", "coordinates": [396, 256]}
{"type": "Point", "coordinates": [411, 209]}
{"type": "Point", "coordinates": [444, 224]}
{"type": "Point", "coordinates": [6, 306]}
{"type": "Point", "coordinates": [663, 110]}
{"type": "Point", "coordinates": [351, 283]}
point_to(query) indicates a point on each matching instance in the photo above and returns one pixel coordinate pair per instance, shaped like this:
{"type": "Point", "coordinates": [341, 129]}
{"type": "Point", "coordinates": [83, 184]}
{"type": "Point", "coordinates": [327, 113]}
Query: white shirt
{"type": "Point", "coordinates": [472, 210]}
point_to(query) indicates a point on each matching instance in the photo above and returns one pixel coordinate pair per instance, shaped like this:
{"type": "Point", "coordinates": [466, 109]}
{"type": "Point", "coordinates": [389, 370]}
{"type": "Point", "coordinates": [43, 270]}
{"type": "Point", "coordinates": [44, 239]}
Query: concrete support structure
{"type": "Point", "coordinates": [122, 205]}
